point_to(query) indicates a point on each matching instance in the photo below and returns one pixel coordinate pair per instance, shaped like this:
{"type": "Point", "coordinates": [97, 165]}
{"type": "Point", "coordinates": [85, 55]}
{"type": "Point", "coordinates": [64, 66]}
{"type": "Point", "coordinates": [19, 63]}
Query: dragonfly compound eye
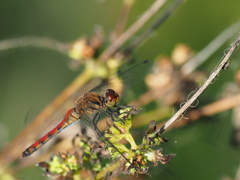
{"type": "Point", "coordinates": [112, 98]}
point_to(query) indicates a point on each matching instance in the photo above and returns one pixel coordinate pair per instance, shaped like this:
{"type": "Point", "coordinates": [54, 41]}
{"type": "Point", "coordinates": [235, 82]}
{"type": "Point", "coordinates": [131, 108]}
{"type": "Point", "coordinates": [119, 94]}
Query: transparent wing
{"type": "Point", "coordinates": [128, 77]}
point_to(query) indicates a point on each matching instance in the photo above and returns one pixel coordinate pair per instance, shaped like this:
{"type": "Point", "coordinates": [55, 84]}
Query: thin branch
{"type": "Point", "coordinates": [222, 65]}
{"type": "Point", "coordinates": [120, 26]}
{"type": "Point", "coordinates": [205, 53]}
{"type": "Point", "coordinates": [132, 30]}
{"type": "Point", "coordinates": [216, 107]}
{"type": "Point", "coordinates": [208, 110]}
{"type": "Point", "coordinates": [33, 41]}
{"type": "Point", "coordinates": [162, 17]}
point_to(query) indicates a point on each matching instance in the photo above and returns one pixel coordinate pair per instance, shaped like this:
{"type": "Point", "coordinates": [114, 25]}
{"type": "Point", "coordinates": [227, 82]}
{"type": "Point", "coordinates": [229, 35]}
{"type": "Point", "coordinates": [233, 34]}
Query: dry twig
{"type": "Point", "coordinates": [132, 30]}
{"type": "Point", "coordinates": [208, 50]}
{"type": "Point", "coordinates": [46, 43]}
{"type": "Point", "coordinates": [222, 65]}
{"type": "Point", "coordinates": [160, 19]}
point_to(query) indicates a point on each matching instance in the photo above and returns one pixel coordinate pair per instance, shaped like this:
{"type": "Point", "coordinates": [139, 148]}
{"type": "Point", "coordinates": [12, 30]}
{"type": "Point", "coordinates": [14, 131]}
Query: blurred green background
{"type": "Point", "coordinates": [32, 77]}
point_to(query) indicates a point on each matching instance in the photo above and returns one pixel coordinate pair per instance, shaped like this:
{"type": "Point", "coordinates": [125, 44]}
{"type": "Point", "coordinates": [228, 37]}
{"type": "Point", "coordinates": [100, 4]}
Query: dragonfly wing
{"type": "Point", "coordinates": [130, 74]}
{"type": "Point", "coordinates": [70, 118]}
{"type": "Point", "coordinates": [91, 121]}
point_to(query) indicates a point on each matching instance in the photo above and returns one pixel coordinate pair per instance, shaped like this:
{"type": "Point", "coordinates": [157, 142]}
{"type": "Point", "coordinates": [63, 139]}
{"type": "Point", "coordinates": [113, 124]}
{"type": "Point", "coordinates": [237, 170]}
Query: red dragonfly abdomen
{"type": "Point", "coordinates": [70, 118]}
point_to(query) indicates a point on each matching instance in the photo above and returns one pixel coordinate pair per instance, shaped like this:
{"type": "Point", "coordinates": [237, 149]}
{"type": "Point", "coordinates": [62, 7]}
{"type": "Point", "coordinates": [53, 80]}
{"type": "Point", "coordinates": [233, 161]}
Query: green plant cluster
{"type": "Point", "coordinates": [120, 159]}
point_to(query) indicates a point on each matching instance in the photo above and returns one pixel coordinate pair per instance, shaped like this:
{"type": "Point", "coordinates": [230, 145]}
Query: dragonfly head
{"type": "Point", "coordinates": [112, 98]}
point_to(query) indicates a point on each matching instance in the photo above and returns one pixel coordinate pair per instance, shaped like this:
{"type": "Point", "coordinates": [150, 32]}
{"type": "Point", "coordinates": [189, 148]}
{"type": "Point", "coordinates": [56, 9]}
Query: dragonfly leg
{"type": "Point", "coordinates": [96, 119]}
{"type": "Point", "coordinates": [112, 115]}
{"type": "Point", "coordinates": [126, 113]}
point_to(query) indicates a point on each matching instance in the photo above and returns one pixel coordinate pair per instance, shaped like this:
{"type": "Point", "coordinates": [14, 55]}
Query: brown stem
{"type": "Point", "coordinates": [208, 110]}
{"type": "Point", "coordinates": [162, 17]}
{"type": "Point", "coordinates": [127, 5]}
{"type": "Point", "coordinates": [222, 65]}
{"type": "Point", "coordinates": [132, 30]}
{"type": "Point", "coordinates": [34, 41]}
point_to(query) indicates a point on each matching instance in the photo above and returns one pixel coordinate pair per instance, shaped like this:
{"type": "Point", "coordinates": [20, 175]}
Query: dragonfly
{"type": "Point", "coordinates": [89, 103]}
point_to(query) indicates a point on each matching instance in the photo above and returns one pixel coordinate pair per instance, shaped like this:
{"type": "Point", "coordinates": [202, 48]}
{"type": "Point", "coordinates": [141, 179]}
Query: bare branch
{"type": "Point", "coordinates": [204, 54]}
{"type": "Point", "coordinates": [222, 65]}
{"type": "Point", "coordinates": [33, 41]}
{"type": "Point", "coordinates": [120, 26]}
{"type": "Point", "coordinates": [132, 30]}
{"type": "Point", "coordinates": [162, 17]}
